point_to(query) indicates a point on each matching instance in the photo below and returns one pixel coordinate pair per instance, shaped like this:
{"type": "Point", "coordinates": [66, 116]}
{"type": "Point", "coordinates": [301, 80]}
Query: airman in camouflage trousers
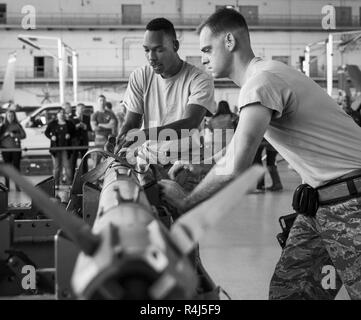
{"type": "Point", "coordinates": [332, 237]}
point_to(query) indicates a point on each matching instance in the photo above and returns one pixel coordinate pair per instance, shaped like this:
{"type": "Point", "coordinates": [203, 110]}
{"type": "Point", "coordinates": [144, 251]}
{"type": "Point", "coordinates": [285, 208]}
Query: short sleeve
{"type": "Point", "coordinates": [113, 116]}
{"type": "Point", "coordinates": [133, 98]}
{"type": "Point", "coordinates": [268, 90]}
{"type": "Point", "coordinates": [94, 116]}
{"type": "Point", "coordinates": [202, 92]}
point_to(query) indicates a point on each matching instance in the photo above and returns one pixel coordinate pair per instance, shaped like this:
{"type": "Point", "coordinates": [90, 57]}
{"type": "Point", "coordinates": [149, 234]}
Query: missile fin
{"type": "Point", "coordinates": [191, 226]}
{"type": "Point", "coordinates": [75, 228]}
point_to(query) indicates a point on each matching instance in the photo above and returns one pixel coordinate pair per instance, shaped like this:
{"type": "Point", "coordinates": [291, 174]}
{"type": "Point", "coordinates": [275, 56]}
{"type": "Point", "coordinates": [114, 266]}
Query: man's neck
{"type": "Point", "coordinates": [174, 70]}
{"type": "Point", "coordinates": [241, 63]}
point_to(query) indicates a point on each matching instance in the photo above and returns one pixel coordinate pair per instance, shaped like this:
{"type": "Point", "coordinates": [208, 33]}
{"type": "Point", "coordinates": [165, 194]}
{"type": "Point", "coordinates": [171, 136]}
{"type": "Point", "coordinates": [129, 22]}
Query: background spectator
{"type": "Point", "coordinates": [346, 106]}
{"type": "Point", "coordinates": [11, 132]}
{"type": "Point", "coordinates": [60, 131]}
{"type": "Point", "coordinates": [271, 155]}
{"type": "Point", "coordinates": [120, 115]}
{"type": "Point", "coordinates": [69, 114]}
{"type": "Point", "coordinates": [224, 120]}
{"type": "Point", "coordinates": [81, 122]}
{"type": "Point", "coordinates": [103, 123]}
{"type": "Point", "coordinates": [109, 107]}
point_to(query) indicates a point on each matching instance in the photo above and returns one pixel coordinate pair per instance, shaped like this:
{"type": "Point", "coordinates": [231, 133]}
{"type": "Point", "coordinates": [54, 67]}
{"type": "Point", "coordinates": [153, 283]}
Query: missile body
{"type": "Point", "coordinates": [129, 253]}
{"type": "Point", "coordinates": [136, 257]}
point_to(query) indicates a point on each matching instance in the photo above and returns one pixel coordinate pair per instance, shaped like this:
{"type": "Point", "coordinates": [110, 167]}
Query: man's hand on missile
{"type": "Point", "coordinates": [53, 138]}
{"type": "Point", "coordinates": [110, 144]}
{"type": "Point", "coordinates": [174, 194]}
{"type": "Point", "coordinates": [180, 165]}
{"type": "Point", "coordinates": [128, 138]}
{"type": "Point", "coordinates": [120, 142]}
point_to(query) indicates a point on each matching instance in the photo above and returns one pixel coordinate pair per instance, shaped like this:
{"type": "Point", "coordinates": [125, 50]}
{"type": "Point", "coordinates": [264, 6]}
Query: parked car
{"type": "Point", "coordinates": [35, 125]}
{"type": "Point", "coordinates": [21, 111]}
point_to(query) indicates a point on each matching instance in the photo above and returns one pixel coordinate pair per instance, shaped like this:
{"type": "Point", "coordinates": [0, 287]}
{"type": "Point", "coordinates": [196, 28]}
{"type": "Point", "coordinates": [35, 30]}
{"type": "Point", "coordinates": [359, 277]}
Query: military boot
{"type": "Point", "coordinates": [276, 180]}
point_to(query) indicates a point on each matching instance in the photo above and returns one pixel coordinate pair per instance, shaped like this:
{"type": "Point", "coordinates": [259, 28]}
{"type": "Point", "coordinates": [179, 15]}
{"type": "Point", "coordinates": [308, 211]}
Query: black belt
{"type": "Point", "coordinates": [340, 189]}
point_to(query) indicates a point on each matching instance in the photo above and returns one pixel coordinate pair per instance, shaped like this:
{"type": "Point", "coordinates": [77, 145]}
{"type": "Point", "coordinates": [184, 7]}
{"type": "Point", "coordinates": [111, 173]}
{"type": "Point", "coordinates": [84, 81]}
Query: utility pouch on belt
{"type": "Point", "coordinates": [286, 223]}
{"type": "Point", "coordinates": [305, 200]}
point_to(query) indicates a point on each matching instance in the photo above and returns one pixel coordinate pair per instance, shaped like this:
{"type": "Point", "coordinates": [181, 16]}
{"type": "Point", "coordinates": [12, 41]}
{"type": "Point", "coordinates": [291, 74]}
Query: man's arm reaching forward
{"type": "Point", "coordinates": [253, 122]}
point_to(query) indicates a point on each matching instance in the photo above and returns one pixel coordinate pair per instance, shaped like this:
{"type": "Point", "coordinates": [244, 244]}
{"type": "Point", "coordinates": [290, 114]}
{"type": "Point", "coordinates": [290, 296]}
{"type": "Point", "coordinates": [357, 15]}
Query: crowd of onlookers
{"type": "Point", "coordinates": [71, 132]}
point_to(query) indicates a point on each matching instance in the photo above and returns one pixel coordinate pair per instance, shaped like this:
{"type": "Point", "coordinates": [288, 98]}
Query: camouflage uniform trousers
{"type": "Point", "coordinates": [331, 238]}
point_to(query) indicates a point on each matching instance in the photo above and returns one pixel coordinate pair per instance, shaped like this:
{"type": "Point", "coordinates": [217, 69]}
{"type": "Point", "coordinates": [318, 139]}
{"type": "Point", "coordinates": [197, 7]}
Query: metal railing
{"type": "Point", "coordinates": [106, 73]}
{"type": "Point", "coordinates": [85, 73]}
{"type": "Point", "coordinates": [116, 19]}
{"type": "Point", "coordinates": [68, 148]}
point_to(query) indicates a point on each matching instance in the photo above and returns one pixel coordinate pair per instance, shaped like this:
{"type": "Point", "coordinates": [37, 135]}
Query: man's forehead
{"type": "Point", "coordinates": [206, 37]}
{"type": "Point", "coordinates": [207, 34]}
{"type": "Point", "coordinates": [155, 38]}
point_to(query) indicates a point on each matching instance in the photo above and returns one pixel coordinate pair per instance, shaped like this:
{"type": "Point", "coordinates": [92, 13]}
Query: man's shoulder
{"type": "Point", "coordinates": [267, 74]}
{"type": "Point", "coordinates": [195, 72]}
{"type": "Point", "coordinates": [109, 113]}
{"type": "Point", "coordinates": [106, 115]}
{"type": "Point", "coordinates": [271, 70]}
{"type": "Point", "coordinates": [142, 72]}
{"type": "Point", "coordinates": [260, 77]}
{"type": "Point", "coordinates": [95, 114]}
{"type": "Point", "coordinates": [98, 115]}
{"type": "Point", "coordinates": [101, 113]}
{"type": "Point", "coordinates": [197, 78]}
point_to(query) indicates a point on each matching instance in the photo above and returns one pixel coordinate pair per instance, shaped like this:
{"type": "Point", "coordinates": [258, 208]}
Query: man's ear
{"type": "Point", "coordinates": [176, 45]}
{"type": "Point", "coordinates": [230, 41]}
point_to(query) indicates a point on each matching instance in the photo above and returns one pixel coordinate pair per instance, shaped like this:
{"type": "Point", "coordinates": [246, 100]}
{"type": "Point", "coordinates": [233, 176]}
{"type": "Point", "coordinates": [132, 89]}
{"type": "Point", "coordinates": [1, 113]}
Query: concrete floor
{"type": "Point", "coordinates": [241, 252]}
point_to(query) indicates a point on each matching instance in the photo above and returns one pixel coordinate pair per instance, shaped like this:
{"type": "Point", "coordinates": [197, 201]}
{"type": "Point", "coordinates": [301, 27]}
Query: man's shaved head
{"type": "Point", "coordinates": [225, 20]}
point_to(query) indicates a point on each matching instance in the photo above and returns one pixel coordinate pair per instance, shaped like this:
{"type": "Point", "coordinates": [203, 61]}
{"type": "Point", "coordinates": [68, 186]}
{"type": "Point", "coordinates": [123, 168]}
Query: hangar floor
{"type": "Point", "coordinates": [241, 252]}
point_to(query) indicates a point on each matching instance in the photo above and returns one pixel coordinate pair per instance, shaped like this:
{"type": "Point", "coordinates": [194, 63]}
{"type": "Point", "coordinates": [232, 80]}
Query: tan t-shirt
{"type": "Point", "coordinates": [318, 139]}
{"type": "Point", "coordinates": [163, 101]}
